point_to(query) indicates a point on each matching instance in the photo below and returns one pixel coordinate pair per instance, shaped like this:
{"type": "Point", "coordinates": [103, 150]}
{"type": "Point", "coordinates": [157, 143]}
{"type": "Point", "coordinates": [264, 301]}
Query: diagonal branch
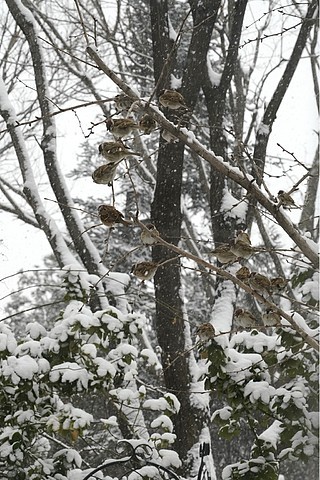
{"type": "Point", "coordinates": [248, 183]}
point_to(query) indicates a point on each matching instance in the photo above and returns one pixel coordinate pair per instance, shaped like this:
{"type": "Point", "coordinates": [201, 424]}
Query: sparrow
{"type": "Point", "coordinates": [168, 137]}
{"type": "Point", "coordinates": [147, 124]}
{"type": "Point", "coordinates": [115, 151]}
{"type": "Point", "coordinates": [144, 270]}
{"type": "Point", "coordinates": [105, 174]}
{"type": "Point", "coordinates": [122, 102]}
{"type": "Point", "coordinates": [271, 318]}
{"type": "Point", "coordinates": [259, 283]}
{"type": "Point", "coordinates": [243, 274]}
{"type": "Point", "coordinates": [149, 237]}
{"type": "Point", "coordinates": [243, 237]}
{"type": "Point", "coordinates": [121, 127]}
{"type": "Point", "coordinates": [244, 319]}
{"type": "Point", "coordinates": [286, 201]}
{"type": "Point", "coordinates": [278, 284]}
{"type": "Point", "coordinates": [241, 249]}
{"type": "Point", "coordinates": [172, 99]}
{"type": "Point", "coordinates": [109, 216]}
{"type": "Point", "coordinates": [223, 253]}
{"type": "Point", "coordinates": [205, 332]}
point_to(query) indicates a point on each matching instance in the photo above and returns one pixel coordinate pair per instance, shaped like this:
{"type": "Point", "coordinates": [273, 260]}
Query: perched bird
{"type": "Point", "coordinates": [105, 174]}
{"type": "Point", "coordinates": [147, 124]}
{"type": "Point", "coordinates": [242, 237]}
{"type": "Point", "coordinates": [149, 237]}
{"type": "Point", "coordinates": [168, 137]}
{"type": "Point", "coordinates": [243, 274]}
{"type": "Point", "coordinates": [144, 270]}
{"type": "Point", "coordinates": [286, 201]}
{"type": "Point", "coordinates": [121, 127]}
{"type": "Point", "coordinates": [260, 283]}
{"type": "Point", "coordinates": [115, 151]}
{"type": "Point", "coordinates": [109, 216]}
{"type": "Point", "coordinates": [278, 284]}
{"type": "Point", "coordinates": [271, 318]}
{"type": "Point", "coordinates": [172, 99]}
{"type": "Point", "coordinates": [122, 102]}
{"type": "Point", "coordinates": [241, 249]}
{"type": "Point", "coordinates": [244, 319]}
{"type": "Point", "coordinates": [224, 254]}
{"type": "Point", "coordinates": [205, 332]}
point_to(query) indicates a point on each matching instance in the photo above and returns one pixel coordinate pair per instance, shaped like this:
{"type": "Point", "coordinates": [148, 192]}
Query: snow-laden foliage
{"type": "Point", "coordinates": [268, 383]}
{"type": "Point", "coordinates": [83, 353]}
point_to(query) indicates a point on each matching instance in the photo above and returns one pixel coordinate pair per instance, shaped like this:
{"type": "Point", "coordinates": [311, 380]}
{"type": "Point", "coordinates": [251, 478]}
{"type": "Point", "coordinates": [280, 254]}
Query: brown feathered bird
{"type": "Point", "coordinates": [260, 283]}
{"type": "Point", "coordinates": [244, 318]}
{"type": "Point", "coordinates": [243, 237]}
{"type": "Point", "coordinates": [271, 318]}
{"type": "Point", "coordinates": [286, 201]}
{"type": "Point", "coordinates": [115, 151]}
{"type": "Point", "coordinates": [110, 216]}
{"type": "Point", "coordinates": [105, 174]}
{"type": "Point", "coordinates": [241, 249]}
{"type": "Point", "coordinates": [172, 99]}
{"type": "Point", "coordinates": [144, 270]}
{"type": "Point", "coordinates": [149, 237]}
{"type": "Point", "coordinates": [243, 274]}
{"type": "Point", "coordinates": [205, 332]}
{"type": "Point", "coordinates": [121, 127]}
{"type": "Point", "coordinates": [278, 284]}
{"type": "Point", "coordinates": [147, 124]}
{"type": "Point", "coordinates": [223, 253]}
{"type": "Point", "coordinates": [122, 102]}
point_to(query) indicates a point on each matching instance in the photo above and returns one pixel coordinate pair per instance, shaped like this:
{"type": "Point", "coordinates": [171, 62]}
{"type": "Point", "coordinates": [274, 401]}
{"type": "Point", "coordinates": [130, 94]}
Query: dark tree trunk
{"type": "Point", "coordinates": [166, 214]}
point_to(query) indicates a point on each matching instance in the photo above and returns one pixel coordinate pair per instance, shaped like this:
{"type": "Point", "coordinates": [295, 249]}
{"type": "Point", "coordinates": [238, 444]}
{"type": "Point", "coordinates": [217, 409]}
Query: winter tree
{"type": "Point", "coordinates": [218, 346]}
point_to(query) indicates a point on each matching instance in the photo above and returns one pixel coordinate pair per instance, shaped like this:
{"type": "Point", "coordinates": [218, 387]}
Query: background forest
{"type": "Point", "coordinates": [178, 322]}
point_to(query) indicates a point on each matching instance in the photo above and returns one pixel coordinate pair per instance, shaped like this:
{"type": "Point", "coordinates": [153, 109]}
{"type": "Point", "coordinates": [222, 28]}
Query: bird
{"type": "Point", "coordinates": [172, 99]}
{"type": "Point", "coordinates": [122, 102]}
{"type": "Point", "coordinates": [144, 270]}
{"type": "Point", "coordinates": [241, 249]}
{"type": "Point", "coordinates": [109, 216]}
{"type": "Point", "coordinates": [205, 332]}
{"type": "Point", "coordinates": [244, 318]}
{"type": "Point", "coordinates": [243, 274]}
{"type": "Point", "coordinates": [271, 318]}
{"type": "Point", "coordinates": [115, 151]}
{"type": "Point", "coordinates": [286, 201]}
{"type": "Point", "coordinates": [147, 124]}
{"type": "Point", "coordinates": [243, 237]}
{"type": "Point", "coordinates": [148, 237]}
{"type": "Point", "coordinates": [168, 137]}
{"type": "Point", "coordinates": [278, 284]}
{"type": "Point", "coordinates": [105, 174]}
{"type": "Point", "coordinates": [260, 283]}
{"type": "Point", "coordinates": [121, 127]}
{"type": "Point", "coordinates": [224, 254]}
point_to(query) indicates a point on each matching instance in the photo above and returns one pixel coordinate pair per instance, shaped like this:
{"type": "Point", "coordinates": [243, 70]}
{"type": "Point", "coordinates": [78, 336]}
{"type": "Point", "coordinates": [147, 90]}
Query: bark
{"type": "Point", "coordinates": [216, 99]}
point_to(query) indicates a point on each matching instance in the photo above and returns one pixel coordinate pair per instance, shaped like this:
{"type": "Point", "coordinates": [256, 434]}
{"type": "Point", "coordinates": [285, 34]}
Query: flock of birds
{"type": "Point", "coordinates": [114, 151]}
{"type": "Point", "coordinates": [240, 248]}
